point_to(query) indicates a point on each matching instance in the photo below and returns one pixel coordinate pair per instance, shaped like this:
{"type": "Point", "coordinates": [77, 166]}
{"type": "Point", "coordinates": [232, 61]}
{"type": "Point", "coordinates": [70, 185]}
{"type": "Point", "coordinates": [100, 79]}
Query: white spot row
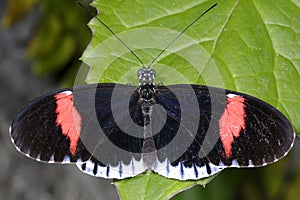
{"type": "Point", "coordinates": [120, 171]}
{"type": "Point", "coordinates": [184, 173]}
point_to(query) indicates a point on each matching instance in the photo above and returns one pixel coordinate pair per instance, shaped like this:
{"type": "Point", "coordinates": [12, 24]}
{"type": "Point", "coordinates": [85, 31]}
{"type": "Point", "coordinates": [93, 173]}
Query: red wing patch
{"type": "Point", "coordinates": [232, 122]}
{"type": "Point", "coordinates": [68, 118]}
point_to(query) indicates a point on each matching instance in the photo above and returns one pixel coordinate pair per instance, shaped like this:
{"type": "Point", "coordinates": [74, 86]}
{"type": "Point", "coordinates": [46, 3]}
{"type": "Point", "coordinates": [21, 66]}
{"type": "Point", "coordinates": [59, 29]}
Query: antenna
{"type": "Point", "coordinates": [181, 33]}
{"type": "Point", "coordinates": [107, 27]}
{"type": "Point", "coordinates": [186, 28]}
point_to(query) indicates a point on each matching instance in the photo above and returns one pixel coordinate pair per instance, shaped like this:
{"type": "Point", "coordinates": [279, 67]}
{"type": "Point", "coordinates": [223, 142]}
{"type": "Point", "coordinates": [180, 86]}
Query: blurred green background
{"type": "Point", "coordinates": [60, 36]}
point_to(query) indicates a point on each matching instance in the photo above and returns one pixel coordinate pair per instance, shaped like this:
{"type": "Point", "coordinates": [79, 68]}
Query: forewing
{"type": "Point", "coordinates": [37, 133]}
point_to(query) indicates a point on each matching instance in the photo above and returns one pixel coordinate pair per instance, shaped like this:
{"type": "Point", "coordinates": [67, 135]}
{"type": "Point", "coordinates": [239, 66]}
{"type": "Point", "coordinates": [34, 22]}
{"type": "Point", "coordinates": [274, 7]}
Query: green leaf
{"type": "Point", "coordinates": [248, 46]}
{"type": "Point", "coordinates": [153, 186]}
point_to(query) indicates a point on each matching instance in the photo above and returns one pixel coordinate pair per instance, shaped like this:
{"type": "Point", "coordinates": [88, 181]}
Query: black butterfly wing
{"type": "Point", "coordinates": [77, 126]}
{"type": "Point", "coordinates": [117, 153]}
{"type": "Point", "coordinates": [35, 132]}
{"type": "Point", "coordinates": [233, 130]}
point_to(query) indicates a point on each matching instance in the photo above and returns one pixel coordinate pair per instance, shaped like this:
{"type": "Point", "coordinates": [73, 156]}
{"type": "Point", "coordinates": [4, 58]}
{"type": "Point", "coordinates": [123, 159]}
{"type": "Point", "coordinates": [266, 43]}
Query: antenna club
{"type": "Point", "coordinates": [146, 76]}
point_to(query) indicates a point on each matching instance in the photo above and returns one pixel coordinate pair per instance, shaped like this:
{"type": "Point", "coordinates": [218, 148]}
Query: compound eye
{"type": "Point", "coordinates": [140, 72]}
{"type": "Point", "coordinates": [152, 72]}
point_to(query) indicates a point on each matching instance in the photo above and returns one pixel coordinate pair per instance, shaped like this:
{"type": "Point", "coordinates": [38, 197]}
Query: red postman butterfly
{"type": "Point", "coordinates": [179, 131]}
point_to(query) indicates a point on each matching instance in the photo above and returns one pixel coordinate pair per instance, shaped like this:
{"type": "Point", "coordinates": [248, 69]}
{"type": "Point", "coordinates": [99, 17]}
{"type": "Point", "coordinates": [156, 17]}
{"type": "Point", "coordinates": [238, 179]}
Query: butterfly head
{"type": "Point", "coordinates": [146, 76]}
